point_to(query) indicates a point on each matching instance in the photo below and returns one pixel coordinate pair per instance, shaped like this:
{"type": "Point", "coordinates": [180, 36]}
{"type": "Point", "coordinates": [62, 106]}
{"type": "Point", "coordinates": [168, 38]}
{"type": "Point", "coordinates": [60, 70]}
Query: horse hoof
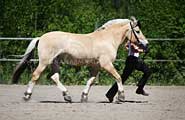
{"type": "Point", "coordinates": [121, 96]}
{"type": "Point", "coordinates": [84, 98]}
{"type": "Point", "coordinates": [67, 98]}
{"type": "Point", "coordinates": [27, 96]}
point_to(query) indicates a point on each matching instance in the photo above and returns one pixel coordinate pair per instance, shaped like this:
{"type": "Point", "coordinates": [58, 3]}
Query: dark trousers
{"type": "Point", "coordinates": [131, 64]}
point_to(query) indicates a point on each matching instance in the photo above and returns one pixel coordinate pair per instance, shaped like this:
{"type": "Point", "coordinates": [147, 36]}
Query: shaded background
{"type": "Point", "coordinates": [159, 19]}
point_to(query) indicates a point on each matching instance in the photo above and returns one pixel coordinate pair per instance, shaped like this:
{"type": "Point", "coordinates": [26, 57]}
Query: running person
{"type": "Point", "coordinates": [132, 62]}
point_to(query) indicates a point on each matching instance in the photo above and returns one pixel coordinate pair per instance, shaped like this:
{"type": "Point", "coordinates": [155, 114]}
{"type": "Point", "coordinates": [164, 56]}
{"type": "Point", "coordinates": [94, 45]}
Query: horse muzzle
{"type": "Point", "coordinates": [144, 47]}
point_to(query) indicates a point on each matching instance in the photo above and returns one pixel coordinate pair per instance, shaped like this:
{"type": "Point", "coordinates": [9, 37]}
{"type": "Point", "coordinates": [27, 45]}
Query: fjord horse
{"type": "Point", "coordinates": [97, 50]}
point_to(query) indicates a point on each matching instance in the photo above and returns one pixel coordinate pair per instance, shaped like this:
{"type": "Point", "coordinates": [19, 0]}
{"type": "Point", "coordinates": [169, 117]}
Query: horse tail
{"type": "Point", "coordinates": [24, 61]}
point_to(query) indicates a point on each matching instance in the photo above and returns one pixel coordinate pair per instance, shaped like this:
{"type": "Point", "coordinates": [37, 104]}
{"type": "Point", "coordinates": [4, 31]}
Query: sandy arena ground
{"type": "Point", "coordinates": [164, 103]}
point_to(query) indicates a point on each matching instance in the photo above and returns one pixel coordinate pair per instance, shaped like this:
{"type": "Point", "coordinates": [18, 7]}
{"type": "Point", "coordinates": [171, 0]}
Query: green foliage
{"type": "Point", "coordinates": [159, 18]}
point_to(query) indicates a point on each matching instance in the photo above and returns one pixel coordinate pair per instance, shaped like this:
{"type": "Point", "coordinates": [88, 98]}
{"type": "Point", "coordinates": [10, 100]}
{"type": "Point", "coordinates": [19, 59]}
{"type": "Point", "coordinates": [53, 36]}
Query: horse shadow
{"type": "Point", "coordinates": [104, 102]}
{"type": "Point", "coordinates": [49, 101]}
{"type": "Point", "coordinates": [126, 101]}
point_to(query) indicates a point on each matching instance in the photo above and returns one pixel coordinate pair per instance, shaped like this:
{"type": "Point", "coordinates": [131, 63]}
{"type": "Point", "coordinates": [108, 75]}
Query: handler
{"type": "Point", "coordinates": [132, 62]}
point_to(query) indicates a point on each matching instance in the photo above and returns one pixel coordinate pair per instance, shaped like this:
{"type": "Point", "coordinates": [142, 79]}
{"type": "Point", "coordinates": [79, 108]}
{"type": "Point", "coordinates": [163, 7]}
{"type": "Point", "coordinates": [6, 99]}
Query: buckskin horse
{"type": "Point", "coordinates": [97, 50]}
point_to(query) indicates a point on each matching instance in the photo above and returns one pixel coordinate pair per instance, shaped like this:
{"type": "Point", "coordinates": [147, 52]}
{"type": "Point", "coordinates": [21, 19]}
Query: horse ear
{"type": "Point", "coordinates": [134, 21]}
{"type": "Point", "coordinates": [139, 24]}
{"type": "Point", "coordinates": [132, 18]}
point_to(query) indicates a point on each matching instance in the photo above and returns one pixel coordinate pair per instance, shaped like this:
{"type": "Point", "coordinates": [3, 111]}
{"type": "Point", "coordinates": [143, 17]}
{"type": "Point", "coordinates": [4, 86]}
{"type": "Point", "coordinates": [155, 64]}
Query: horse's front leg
{"type": "Point", "coordinates": [93, 72]}
{"type": "Point", "coordinates": [108, 66]}
{"type": "Point", "coordinates": [55, 66]}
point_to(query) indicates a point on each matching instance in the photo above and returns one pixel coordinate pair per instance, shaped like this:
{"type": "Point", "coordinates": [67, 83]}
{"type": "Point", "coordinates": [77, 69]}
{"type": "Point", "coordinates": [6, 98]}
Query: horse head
{"type": "Point", "coordinates": [135, 34]}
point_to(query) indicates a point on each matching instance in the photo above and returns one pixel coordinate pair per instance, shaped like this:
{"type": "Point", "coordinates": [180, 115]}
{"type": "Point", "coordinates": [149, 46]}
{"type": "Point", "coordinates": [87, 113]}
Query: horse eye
{"type": "Point", "coordinates": [138, 31]}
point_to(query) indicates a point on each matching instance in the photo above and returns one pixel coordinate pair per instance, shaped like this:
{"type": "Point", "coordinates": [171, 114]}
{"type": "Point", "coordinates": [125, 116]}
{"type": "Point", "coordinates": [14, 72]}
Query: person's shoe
{"type": "Point", "coordinates": [142, 92]}
{"type": "Point", "coordinates": [109, 98]}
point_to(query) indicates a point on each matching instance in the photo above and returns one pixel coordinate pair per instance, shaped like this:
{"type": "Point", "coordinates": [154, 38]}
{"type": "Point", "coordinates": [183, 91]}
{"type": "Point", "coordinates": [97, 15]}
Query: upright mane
{"type": "Point", "coordinates": [113, 22]}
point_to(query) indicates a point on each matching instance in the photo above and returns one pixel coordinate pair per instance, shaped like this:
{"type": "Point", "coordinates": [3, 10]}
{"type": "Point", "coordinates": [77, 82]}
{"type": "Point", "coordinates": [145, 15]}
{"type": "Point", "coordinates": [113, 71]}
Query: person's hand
{"type": "Point", "coordinates": [136, 48]}
{"type": "Point", "coordinates": [139, 50]}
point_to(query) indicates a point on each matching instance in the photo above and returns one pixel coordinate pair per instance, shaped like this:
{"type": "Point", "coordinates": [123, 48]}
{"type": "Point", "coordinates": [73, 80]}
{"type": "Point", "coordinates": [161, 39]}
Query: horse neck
{"type": "Point", "coordinates": [119, 34]}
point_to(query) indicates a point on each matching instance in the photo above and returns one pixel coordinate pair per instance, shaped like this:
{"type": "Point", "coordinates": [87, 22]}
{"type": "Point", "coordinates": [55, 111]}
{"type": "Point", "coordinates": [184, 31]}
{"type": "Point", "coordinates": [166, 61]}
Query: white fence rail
{"type": "Point", "coordinates": [35, 60]}
{"type": "Point", "coordinates": [20, 38]}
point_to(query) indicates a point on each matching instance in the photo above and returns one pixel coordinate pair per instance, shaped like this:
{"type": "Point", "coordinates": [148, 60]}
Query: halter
{"type": "Point", "coordinates": [134, 34]}
{"type": "Point", "coordinates": [144, 48]}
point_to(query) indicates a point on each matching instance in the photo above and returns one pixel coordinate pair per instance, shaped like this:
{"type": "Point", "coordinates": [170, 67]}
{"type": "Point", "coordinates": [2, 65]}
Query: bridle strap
{"type": "Point", "coordinates": [134, 33]}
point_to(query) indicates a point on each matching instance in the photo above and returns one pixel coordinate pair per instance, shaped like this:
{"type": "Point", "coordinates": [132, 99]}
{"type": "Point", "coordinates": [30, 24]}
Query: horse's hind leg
{"type": "Point", "coordinates": [32, 82]}
{"type": "Point", "coordinates": [93, 72]}
{"type": "Point", "coordinates": [55, 66]}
